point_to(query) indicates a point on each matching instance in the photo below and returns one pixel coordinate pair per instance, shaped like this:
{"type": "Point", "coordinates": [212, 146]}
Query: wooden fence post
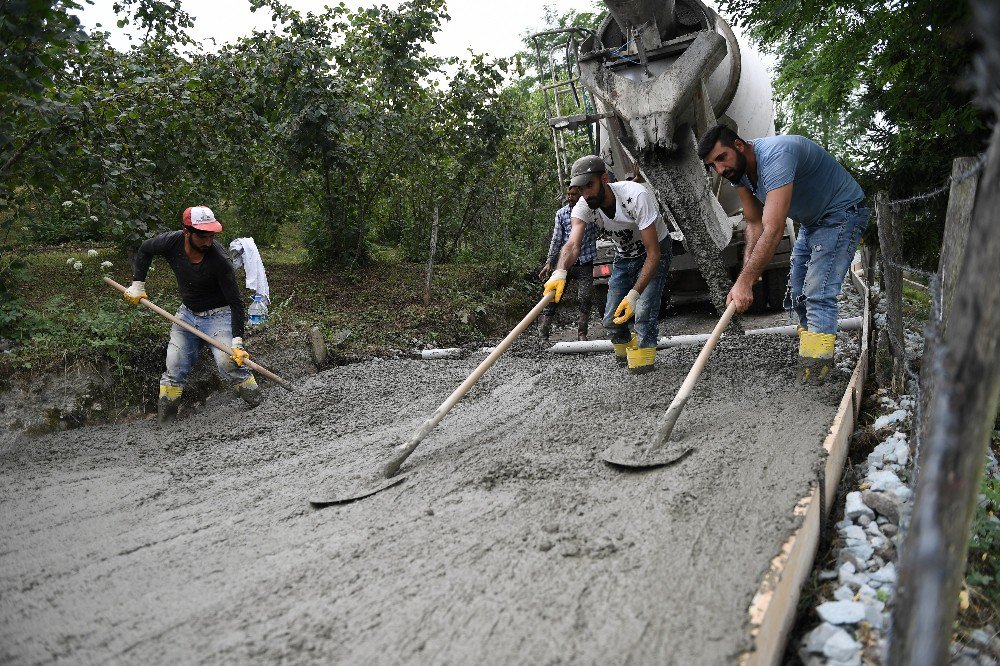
{"type": "Point", "coordinates": [966, 378]}
{"type": "Point", "coordinates": [961, 199]}
{"type": "Point", "coordinates": [890, 245]}
{"type": "Point", "coordinates": [430, 258]}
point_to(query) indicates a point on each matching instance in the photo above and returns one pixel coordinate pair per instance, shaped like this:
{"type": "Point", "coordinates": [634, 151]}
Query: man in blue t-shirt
{"type": "Point", "coordinates": [776, 178]}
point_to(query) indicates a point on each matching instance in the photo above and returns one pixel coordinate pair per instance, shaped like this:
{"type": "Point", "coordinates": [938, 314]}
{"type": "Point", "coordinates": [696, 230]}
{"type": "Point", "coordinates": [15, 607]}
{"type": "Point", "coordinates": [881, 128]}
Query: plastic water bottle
{"type": "Point", "coordinates": [257, 312]}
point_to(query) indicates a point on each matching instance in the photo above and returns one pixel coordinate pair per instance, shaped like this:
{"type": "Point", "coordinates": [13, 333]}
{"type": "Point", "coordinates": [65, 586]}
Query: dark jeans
{"type": "Point", "coordinates": [647, 309]}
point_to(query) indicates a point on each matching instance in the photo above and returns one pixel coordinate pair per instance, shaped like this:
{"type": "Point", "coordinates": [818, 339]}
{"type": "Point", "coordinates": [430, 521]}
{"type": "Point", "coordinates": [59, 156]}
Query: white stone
{"type": "Point", "coordinates": [889, 419]}
{"type": "Point", "coordinates": [873, 615]}
{"type": "Point", "coordinates": [882, 452]}
{"type": "Point", "coordinates": [814, 641]}
{"type": "Point", "coordinates": [886, 574]}
{"type": "Point", "coordinates": [883, 480]}
{"type": "Point", "coordinates": [864, 520]}
{"type": "Point", "coordinates": [855, 507]}
{"type": "Point", "coordinates": [902, 453]}
{"type": "Point", "coordinates": [866, 592]}
{"type": "Point", "coordinates": [980, 639]}
{"type": "Point", "coordinates": [841, 612]}
{"type": "Point", "coordinates": [843, 593]}
{"type": "Point", "coordinates": [841, 646]}
{"type": "Point", "coordinates": [853, 532]}
{"type": "Point", "coordinates": [853, 661]}
{"type": "Point", "coordinates": [846, 576]}
{"type": "Point", "coordinates": [863, 550]}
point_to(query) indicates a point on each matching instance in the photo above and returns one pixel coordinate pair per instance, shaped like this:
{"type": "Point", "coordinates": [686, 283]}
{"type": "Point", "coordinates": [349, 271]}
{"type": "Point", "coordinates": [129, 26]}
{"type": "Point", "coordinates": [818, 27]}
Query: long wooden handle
{"type": "Point", "coordinates": [403, 451]}
{"type": "Point", "coordinates": [207, 338]}
{"type": "Point", "coordinates": [684, 392]}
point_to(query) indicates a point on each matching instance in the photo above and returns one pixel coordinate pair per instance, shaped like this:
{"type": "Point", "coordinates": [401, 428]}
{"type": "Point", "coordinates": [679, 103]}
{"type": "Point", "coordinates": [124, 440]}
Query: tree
{"type": "Point", "coordinates": [880, 84]}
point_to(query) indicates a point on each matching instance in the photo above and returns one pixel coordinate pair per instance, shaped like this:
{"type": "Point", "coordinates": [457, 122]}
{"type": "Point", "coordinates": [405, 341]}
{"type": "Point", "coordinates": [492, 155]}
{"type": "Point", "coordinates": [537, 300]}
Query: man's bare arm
{"type": "Point", "coordinates": [753, 213]}
{"type": "Point", "coordinates": [772, 228]}
{"type": "Point", "coordinates": [649, 266]}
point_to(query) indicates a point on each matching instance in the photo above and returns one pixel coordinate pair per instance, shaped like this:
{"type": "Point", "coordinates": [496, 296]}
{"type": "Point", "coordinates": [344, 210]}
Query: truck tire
{"type": "Point", "coordinates": [600, 300]}
{"type": "Point", "coordinates": [776, 280]}
{"type": "Point", "coordinates": [759, 298]}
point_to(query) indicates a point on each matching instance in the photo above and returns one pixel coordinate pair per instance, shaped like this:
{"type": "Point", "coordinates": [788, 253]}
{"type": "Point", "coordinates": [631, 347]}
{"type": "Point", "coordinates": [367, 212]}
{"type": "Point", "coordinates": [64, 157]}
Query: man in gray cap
{"type": "Point", "coordinates": [630, 213]}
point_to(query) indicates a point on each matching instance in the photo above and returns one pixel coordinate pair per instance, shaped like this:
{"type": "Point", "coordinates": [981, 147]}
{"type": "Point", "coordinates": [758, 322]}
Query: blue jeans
{"type": "Point", "coordinates": [184, 347]}
{"type": "Point", "coordinates": [820, 259]}
{"type": "Point", "coordinates": [624, 273]}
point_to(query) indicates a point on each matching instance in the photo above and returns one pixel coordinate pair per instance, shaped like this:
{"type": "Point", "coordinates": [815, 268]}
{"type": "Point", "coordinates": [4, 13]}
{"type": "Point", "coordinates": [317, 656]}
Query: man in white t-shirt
{"type": "Point", "coordinates": [628, 211]}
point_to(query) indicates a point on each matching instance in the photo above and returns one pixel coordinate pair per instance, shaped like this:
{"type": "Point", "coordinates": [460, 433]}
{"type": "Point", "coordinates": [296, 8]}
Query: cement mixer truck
{"type": "Point", "coordinates": [653, 77]}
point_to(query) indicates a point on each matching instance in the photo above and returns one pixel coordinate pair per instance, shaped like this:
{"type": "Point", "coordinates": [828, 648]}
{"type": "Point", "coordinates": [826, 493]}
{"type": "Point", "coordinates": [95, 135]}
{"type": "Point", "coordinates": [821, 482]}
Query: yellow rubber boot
{"type": "Point", "coordinates": [641, 360]}
{"type": "Point", "coordinates": [621, 350]}
{"type": "Point", "coordinates": [816, 355]}
{"type": "Point", "coordinates": [170, 400]}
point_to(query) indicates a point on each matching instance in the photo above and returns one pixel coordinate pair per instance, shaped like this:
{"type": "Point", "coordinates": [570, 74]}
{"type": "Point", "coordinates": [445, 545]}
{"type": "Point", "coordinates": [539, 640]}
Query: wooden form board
{"type": "Point", "coordinates": [772, 612]}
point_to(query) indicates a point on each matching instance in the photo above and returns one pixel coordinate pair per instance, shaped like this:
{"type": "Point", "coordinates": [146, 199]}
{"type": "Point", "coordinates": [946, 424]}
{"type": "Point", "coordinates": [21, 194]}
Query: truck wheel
{"type": "Point", "coordinates": [776, 280]}
{"type": "Point", "coordinates": [759, 298]}
{"type": "Point", "coordinates": [600, 299]}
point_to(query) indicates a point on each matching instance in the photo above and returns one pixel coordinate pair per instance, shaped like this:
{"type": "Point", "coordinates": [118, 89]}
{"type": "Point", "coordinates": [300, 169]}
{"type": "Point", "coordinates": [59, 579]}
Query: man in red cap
{"type": "Point", "coordinates": [211, 303]}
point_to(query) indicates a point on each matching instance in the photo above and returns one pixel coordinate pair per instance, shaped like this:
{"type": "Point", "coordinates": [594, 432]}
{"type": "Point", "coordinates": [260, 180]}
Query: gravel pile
{"type": "Point", "coordinates": [855, 617]}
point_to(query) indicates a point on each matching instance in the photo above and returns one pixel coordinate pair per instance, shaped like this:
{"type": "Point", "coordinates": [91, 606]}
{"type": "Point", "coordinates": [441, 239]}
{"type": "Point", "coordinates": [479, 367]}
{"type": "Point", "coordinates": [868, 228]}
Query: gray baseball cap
{"type": "Point", "coordinates": [584, 168]}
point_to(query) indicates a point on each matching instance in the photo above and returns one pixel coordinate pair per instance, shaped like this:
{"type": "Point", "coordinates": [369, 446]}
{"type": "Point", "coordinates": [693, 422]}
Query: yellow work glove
{"type": "Point", "coordinates": [135, 293]}
{"type": "Point", "coordinates": [239, 354]}
{"type": "Point", "coordinates": [626, 309]}
{"type": "Point", "coordinates": [556, 284]}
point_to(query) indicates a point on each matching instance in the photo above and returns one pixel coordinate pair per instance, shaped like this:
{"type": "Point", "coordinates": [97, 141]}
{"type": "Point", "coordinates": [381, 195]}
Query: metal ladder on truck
{"type": "Point", "coordinates": [568, 105]}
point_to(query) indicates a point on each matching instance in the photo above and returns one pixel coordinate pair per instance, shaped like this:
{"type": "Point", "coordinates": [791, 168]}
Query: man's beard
{"type": "Point", "coordinates": [741, 169]}
{"type": "Point", "coordinates": [196, 248]}
{"type": "Point", "coordinates": [597, 200]}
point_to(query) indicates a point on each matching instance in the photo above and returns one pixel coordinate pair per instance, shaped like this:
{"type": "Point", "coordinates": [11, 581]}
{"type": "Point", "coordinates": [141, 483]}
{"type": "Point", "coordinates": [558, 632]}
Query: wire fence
{"type": "Point", "coordinates": [933, 328]}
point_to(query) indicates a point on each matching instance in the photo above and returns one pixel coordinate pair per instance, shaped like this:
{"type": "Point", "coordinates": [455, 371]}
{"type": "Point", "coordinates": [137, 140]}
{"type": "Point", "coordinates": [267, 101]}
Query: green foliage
{"type": "Point", "coordinates": [984, 545]}
{"type": "Point", "coordinates": [880, 84]}
{"type": "Point", "coordinates": [337, 122]}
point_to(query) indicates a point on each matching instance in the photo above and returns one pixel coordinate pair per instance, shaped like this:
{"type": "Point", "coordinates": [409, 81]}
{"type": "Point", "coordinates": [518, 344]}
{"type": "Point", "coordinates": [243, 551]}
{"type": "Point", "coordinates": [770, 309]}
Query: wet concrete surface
{"type": "Point", "coordinates": [509, 542]}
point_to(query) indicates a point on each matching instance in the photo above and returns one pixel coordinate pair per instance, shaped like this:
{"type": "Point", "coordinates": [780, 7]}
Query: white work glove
{"type": "Point", "coordinates": [135, 293]}
{"type": "Point", "coordinates": [626, 308]}
{"type": "Point", "coordinates": [239, 353]}
{"type": "Point", "coordinates": [556, 284]}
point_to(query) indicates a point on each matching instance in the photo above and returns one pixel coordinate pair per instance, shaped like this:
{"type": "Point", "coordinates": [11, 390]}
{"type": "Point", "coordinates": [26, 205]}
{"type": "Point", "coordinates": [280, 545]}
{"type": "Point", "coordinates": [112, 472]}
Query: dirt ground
{"type": "Point", "coordinates": [510, 541]}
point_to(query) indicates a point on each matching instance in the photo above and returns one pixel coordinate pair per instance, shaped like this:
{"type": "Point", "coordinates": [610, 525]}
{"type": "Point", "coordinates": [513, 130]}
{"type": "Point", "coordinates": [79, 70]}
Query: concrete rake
{"type": "Point", "coordinates": [626, 453]}
{"type": "Point", "coordinates": [387, 478]}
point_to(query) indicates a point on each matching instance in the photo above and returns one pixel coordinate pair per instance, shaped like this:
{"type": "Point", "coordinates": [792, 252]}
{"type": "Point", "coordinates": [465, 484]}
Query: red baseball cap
{"type": "Point", "coordinates": [200, 218]}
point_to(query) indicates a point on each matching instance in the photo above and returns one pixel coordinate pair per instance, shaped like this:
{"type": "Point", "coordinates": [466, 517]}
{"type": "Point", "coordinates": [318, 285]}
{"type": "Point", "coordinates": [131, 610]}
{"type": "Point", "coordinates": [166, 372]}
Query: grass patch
{"type": "Point", "coordinates": [916, 303]}
{"type": "Point", "coordinates": [982, 573]}
{"type": "Point", "coordinates": [67, 315]}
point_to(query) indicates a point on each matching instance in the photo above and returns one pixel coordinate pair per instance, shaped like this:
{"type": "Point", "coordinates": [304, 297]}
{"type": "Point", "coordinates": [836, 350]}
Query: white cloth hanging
{"type": "Point", "coordinates": [244, 253]}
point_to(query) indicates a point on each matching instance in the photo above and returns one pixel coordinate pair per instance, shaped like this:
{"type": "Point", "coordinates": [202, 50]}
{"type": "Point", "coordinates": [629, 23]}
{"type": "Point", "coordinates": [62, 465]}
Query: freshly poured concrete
{"type": "Point", "coordinates": [509, 542]}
